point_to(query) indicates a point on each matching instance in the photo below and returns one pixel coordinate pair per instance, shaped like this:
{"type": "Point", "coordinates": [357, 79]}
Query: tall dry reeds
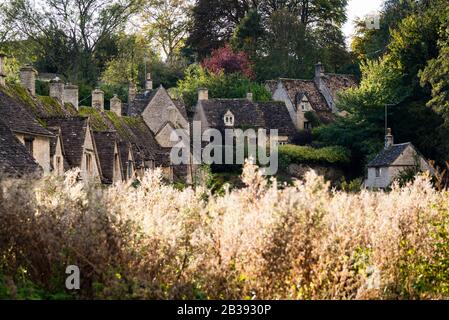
{"type": "Point", "coordinates": [296, 242]}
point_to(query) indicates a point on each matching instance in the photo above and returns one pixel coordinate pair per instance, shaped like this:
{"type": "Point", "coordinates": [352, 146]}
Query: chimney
{"type": "Point", "coordinates": [319, 70]}
{"type": "Point", "coordinates": [389, 139]}
{"type": "Point", "coordinates": [70, 95]}
{"type": "Point", "coordinates": [132, 91]}
{"type": "Point", "coordinates": [148, 82]}
{"type": "Point", "coordinates": [2, 70]}
{"type": "Point", "coordinates": [57, 89]}
{"type": "Point", "coordinates": [98, 99]}
{"type": "Point", "coordinates": [28, 78]}
{"type": "Point", "coordinates": [249, 96]}
{"type": "Point", "coordinates": [116, 105]}
{"type": "Point", "coordinates": [203, 94]}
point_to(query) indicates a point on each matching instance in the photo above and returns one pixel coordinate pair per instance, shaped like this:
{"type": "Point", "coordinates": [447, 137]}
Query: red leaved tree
{"type": "Point", "coordinates": [226, 60]}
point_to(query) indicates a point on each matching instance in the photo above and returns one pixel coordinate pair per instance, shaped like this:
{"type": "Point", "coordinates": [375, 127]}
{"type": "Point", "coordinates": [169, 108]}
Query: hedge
{"type": "Point", "coordinates": [335, 155]}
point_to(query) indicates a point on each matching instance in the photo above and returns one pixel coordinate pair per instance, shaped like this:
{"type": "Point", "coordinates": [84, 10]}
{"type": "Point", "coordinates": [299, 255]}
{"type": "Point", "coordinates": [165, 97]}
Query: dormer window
{"type": "Point", "coordinates": [302, 103]}
{"type": "Point", "coordinates": [228, 119]}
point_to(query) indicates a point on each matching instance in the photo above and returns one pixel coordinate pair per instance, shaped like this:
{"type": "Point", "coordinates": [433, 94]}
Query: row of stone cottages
{"type": "Point", "coordinates": [55, 134]}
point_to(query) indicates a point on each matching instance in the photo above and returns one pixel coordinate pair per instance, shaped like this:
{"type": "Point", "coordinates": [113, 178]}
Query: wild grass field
{"type": "Point", "coordinates": [264, 241]}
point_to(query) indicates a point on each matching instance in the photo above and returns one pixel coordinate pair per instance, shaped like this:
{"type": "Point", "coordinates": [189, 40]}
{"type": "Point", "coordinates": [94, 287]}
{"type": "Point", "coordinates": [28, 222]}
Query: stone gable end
{"type": "Point", "coordinates": [157, 113]}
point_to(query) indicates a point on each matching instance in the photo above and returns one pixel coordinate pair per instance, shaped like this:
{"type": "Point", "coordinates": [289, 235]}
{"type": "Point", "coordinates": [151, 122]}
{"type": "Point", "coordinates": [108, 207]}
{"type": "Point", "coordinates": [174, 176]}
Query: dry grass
{"type": "Point", "coordinates": [262, 241]}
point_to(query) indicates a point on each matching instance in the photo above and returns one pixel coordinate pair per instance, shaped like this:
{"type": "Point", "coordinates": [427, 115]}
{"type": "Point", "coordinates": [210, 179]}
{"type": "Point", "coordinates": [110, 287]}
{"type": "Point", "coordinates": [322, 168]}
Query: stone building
{"type": "Point", "coordinates": [318, 95]}
{"type": "Point", "coordinates": [15, 160]}
{"type": "Point", "coordinates": [80, 150]}
{"type": "Point", "coordinates": [162, 115]}
{"type": "Point", "coordinates": [244, 114]}
{"type": "Point", "coordinates": [392, 161]}
{"type": "Point", "coordinates": [27, 130]}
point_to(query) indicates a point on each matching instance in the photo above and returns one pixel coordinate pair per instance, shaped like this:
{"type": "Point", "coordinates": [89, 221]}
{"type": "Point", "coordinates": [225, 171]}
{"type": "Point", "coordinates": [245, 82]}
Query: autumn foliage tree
{"type": "Point", "coordinates": [228, 61]}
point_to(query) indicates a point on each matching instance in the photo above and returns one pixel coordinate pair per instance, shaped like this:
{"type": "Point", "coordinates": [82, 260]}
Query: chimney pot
{"type": "Point", "coordinates": [132, 91]}
{"type": "Point", "coordinates": [319, 70]}
{"type": "Point", "coordinates": [70, 95]}
{"type": "Point", "coordinates": [57, 89]}
{"type": "Point", "coordinates": [28, 78]}
{"type": "Point", "coordinates": [203, 94]}
{"type": "Point", "coordinates": [116, 105]}
{"type": "Point", "coordinates": [389, 140]}
{"type": "Point", "coordinates": [98, 99]}
{"type": "Point", "coordinates": [148, 82]}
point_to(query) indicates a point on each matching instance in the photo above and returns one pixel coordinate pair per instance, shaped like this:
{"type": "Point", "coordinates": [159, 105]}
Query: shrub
{"type": "Point", "coordinates": [304, 154]}
{"type": "Point", "coordinates": [263, 241]}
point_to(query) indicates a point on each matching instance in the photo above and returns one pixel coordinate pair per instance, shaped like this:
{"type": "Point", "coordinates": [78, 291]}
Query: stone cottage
{"type": "Point", "coordinates": [318, 95]}
{"type": "Point", "coordinates": [15, 159]}
{"type": "Point", "coordinates": [162, 115]}
{"type": "Point", "coordinates": [26, 129]}
{"type": "Point", "coordinates": [107, 145]}
{"type": "Point", "coordinates": [244, 114]}
{"type": "Point", "coordinates": [391, 161]}
{"type": "Point", "coordinates": [80, 150]}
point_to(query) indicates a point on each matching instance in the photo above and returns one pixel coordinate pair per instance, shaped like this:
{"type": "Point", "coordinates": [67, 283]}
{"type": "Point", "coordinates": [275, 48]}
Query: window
{"type": "Point", "coordinates": [116, 164]}
{"type": "Point", "coordinates": [130, 169]}
{"type": "Point", "coordinates": [88, 163]}
{"type": "Point", "coordinates": [378, 172]}
{"type": "Point", "coordinates": [29, 145]}
{"type": "Point", "coordinates": [228, 119]}
{"type": "Point", "coordinates": [307, 125]}
{"type": "Point", "coordinates": [58, 165]}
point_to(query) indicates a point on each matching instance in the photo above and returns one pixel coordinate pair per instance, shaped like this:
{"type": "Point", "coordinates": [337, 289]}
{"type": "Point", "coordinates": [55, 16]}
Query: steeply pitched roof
{"type": "Point", "coordinates": [15, 160]}
{"type": "Point", "coordinates": [73, 132]}
{"type": "Point", "coordinates": [248, 114]}
{"type": "Point", "coordinates": [338, 82]}
{"type": "Point", "coordinates": [388, 156]}
{"type": "Point", "coordinates": [295, 87]}
{"type": "Point", "coordinates": [41, 106]}
{"type": "Point", "coordinates": [105, 143]}
{"type": "Point", "coordinates": [138, 105]}
{"type": "Point", "coordinates": [16, 116]}
{"type": "Point", "coordinates": [132, 130]}
{"type": "Point", "coordinates": [141, 101]}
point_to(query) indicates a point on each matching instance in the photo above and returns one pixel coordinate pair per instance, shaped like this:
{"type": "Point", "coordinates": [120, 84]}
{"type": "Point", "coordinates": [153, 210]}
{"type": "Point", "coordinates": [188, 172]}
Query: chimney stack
{"type": "Point", "coordinates": [249, 96]}
{"type": "Point", "coordinates": [319, 70]}
{"type": "Point", "coordinates": [148, 82]}
{"type": "Point", "coordinates": [389, 139]}
{"type": "Point", "coordinates": [70, 95]}
{"type": "Point", "coordinates": [203, 94]}
{"type": "Point", "coordinates": [116, 105]}
{"type": "Point", "coordinates": [57, 89]}
{"type": "Point", "coordinates": [132, 91]}
{"type": "Point", "coordinates": [2, 70]}
{"type": "Point", "coordinates": [98, 99]}
{"type": "Point", "coordinates": [28, 78]}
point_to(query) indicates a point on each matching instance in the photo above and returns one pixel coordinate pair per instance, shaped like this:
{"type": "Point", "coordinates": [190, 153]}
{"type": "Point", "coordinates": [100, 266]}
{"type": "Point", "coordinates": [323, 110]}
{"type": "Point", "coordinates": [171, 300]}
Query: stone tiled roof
{"type": "Point", "coordinates": [141, 101]}
{"type": "Point", "coordinates": [248, 114]}
{"type": "Point", "coordinates": [387, 156]}
{"type": "Point", "coordinates": [73, 132]}
{"type": "Point", "coordinates": [338, 82]}
{"type": "Point", "coordinates": [15, 160]}
{"type": "Point", "coordinates": [138, 105]}
{"type": "Point", "coordinates": [181, 107]}
{"type": "Point", "coordinates": [297, 87]}
{"type": "Point", "coordinates": [16, 116]}
{"type": "Point", "coordinates": [131, 130]}
{"type": "Point", "coordinates": [105, 143]}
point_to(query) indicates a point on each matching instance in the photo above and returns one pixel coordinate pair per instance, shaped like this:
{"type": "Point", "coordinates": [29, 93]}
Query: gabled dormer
{"type": "Point", "coordinates": [302, 103]}
{"type": "Point", "coordinates": [228, 119]}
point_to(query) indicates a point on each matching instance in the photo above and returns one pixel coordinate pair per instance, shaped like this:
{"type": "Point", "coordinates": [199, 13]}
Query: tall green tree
{"type": "Point", "coordinates": [69, 35]}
